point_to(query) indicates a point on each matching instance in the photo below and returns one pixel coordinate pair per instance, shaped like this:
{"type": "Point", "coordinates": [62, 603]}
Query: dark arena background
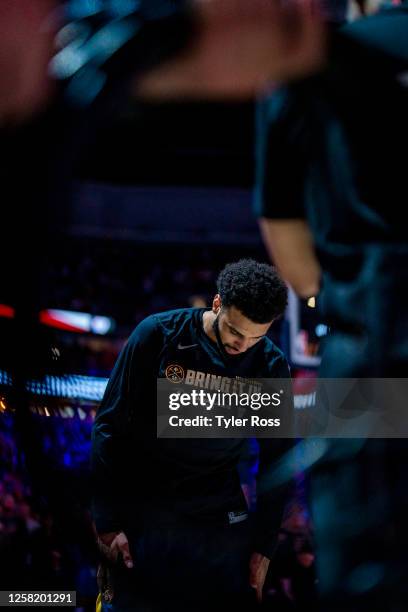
{"type": "Point", "coordinates": [113, 209]}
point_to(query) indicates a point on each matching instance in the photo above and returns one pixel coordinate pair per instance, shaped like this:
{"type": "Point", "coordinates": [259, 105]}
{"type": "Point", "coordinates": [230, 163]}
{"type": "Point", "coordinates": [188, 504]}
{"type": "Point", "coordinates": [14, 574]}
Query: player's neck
{"type": "Point", "coordinates": [208, 321]}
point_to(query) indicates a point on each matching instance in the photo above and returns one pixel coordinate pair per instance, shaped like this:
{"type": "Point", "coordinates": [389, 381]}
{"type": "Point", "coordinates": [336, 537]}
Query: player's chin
{"type": "Point", "coordinates": [231, 350]}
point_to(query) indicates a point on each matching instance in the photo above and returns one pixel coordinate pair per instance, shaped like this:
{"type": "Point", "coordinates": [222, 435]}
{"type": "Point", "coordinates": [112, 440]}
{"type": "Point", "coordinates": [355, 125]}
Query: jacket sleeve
{"type": "Point", "coordinates": [280, 158]}
{"type": "Point", "coordinates": [275, 478]}
{"type": "Point", "coordinates": [116, 421]}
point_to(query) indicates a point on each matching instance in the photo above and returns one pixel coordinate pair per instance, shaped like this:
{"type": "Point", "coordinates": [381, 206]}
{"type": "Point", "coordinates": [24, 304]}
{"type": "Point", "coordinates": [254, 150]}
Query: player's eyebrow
{"type": "Point", "coordinates": [242, 335]}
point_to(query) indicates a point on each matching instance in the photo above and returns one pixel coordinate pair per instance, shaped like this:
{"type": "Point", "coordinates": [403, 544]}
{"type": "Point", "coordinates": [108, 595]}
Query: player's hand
{"type": "Point", "coordinates": [114, 545]}
{"type": "Point", "coordinates": [258, 568]}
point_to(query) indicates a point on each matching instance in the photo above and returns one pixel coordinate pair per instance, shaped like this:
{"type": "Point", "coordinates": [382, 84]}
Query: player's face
{"type": "Point", "coordinates": [237, 332]}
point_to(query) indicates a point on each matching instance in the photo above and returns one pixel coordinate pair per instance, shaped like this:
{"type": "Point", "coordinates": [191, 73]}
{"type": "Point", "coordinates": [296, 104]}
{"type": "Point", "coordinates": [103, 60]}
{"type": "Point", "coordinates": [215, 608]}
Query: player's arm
{"type": "Point", "coordinates": [274, 489]}
{"type": "Point", "coordinates": [282, 159]}
{"type": "Point", "coordinates": [112, 433]}
{"type": "Point", "coordinates": [289, 243]}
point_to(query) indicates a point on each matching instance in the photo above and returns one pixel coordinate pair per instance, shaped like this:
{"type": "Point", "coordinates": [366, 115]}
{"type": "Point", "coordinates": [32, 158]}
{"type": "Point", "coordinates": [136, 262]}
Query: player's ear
{"type": "Point", "coordinates": [216, 305]}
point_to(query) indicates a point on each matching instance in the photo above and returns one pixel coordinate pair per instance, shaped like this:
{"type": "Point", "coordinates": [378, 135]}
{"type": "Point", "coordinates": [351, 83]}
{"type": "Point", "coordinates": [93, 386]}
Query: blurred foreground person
{"type": "Point", "coordinates": [170, 513]}
{"type": "Point", "coordinates": [332, 195]}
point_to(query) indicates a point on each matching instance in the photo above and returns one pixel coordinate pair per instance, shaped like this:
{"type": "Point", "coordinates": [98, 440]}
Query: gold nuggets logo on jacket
{"type": "Point", "coordinates": [174, 373]}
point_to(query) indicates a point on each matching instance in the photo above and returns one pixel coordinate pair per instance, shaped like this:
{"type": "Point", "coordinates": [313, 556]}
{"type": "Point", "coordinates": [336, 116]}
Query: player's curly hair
{"type": "Point", "coordinates": [255, 289]}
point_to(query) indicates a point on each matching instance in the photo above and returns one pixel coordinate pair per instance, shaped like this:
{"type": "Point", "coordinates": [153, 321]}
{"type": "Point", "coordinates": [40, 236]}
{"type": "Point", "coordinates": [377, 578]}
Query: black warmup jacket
{"type": "Point", "coordinates": [137, 476]}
